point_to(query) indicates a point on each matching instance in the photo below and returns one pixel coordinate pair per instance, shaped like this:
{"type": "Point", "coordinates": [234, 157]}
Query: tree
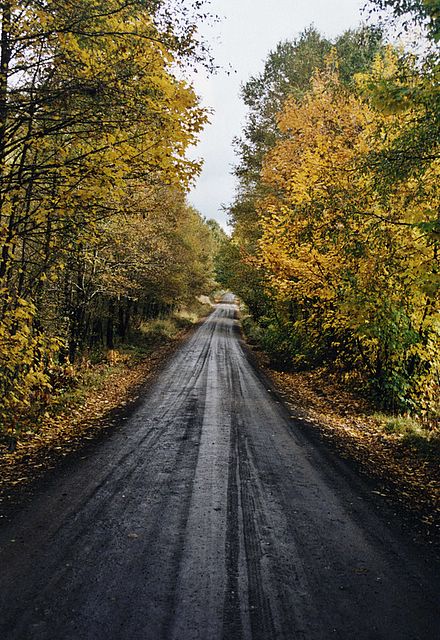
{"type": "Point", "coordinates": [345, 263]}
{"type": "Point", "coordinates": [90, 110]}
{"type": "Point", "coordinates": [426, 13]}
{"type": "Point", "coordinates": [287, 74]}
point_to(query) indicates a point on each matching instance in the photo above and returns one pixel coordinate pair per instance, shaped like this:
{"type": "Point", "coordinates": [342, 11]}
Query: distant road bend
{"type": "Point", "coordinates": [210, 515]}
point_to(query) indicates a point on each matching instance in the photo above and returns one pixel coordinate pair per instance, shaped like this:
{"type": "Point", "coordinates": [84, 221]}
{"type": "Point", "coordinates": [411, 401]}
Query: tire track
{"type": "Point", "coordinates": [210, 516]}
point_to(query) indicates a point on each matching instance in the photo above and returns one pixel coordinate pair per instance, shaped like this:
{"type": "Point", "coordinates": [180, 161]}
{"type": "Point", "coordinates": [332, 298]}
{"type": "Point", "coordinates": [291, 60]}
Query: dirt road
{"type": "Point", "coordinates": [209, 514]}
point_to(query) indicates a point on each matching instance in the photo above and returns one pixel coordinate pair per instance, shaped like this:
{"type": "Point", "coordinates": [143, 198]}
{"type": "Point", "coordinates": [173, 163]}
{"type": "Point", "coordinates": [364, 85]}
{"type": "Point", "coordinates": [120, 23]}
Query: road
{"type": "Point", "coordinates": [209, 514]}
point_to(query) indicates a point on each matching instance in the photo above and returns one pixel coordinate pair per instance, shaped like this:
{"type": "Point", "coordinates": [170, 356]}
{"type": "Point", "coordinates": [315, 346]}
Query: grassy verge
{"type": "Point", "coordinates": [101, 384]}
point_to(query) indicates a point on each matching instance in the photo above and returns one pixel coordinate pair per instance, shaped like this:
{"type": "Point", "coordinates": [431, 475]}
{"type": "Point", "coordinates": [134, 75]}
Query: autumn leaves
{"type": "Point", "coordinates": [94, 125]}
{"type": "Point", "coordinates": [347, 245]}
{"type": "Point", "coordinates": [353, 260]}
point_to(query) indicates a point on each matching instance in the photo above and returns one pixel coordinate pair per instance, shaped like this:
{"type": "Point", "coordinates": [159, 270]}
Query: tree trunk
{"type": "Point", "coordinates": [110, 337]}
{"type": "Point", "coordinates": [5, 58]}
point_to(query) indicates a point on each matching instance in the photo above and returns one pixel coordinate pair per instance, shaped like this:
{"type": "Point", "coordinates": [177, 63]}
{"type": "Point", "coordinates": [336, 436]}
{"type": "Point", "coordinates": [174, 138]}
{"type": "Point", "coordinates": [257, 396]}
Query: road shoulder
{"type": "Point", "coordinates": [403, 479]}
{"type": "Point", "coordinates": [67, 435]}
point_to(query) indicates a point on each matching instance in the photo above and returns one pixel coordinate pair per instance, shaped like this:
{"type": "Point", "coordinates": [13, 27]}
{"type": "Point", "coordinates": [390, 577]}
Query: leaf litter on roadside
{"type": "Point", "coordinates": [66, 431]}
{"type": "Point", "coordinates": [350, 425]}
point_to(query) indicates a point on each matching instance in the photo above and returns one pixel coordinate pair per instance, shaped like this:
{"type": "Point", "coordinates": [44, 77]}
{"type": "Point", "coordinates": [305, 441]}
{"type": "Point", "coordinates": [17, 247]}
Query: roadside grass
{"type": "Point", "coordinates": [411, 433]}
{"type": "Point", "coordinates": [88, 377]}
{"type": "Point", "coordinates": [95, 368]}
{"type": "Point", "coordinates": [159, 329]}
{"type": "Point", "coordinates": [400, 425]}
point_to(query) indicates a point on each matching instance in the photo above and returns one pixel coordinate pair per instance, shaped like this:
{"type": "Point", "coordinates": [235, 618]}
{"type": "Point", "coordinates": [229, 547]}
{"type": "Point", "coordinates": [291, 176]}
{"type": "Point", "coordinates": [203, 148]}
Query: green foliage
{"type": "Point", "coordinates": [275, 337]}
{"type": "Point", "coordinates": [356, 49]}
{"type": "Point", "coordinates": [412, 433]}
{"type": "Point", "coordinates": [423, 12]}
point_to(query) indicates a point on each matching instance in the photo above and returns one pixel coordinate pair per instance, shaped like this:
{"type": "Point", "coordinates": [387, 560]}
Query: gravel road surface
{"type": "Point", "coordinates": [209, 514]}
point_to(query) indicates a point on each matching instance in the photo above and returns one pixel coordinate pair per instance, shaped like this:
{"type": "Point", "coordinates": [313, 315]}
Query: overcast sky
{"type": "Point", "coordinates": [247, 31]}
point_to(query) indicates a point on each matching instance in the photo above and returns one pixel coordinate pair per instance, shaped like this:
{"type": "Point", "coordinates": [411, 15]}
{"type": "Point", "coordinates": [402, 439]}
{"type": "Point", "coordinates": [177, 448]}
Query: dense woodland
{"type": "Point", "coordinates": [95, 231]}
{"type": "Point", "coordinates": [335, 248]}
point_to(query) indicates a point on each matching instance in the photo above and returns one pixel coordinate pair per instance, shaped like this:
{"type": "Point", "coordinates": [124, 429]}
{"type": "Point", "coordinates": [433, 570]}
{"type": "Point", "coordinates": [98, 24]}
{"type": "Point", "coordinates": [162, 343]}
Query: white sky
{"type": "Point", "coordinates": [248, 30]}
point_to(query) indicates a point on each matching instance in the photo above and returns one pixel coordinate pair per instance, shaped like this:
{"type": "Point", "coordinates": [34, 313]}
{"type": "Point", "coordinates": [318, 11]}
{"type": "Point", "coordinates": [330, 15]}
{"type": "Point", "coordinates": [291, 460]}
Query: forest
{"type": "Point", "coordinates": [96, 235]}
{"type": "Point", "coordinates": [335, 244]}
{"type": "Point", "coordinates": [211, 434]}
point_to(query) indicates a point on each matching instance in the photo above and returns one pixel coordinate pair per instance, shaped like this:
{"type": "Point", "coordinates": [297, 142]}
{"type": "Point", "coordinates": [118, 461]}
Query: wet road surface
{"type": "Point", "coordinates": [209, 515]}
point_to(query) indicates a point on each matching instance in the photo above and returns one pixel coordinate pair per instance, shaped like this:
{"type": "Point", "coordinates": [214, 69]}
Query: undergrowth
{"type": "Point", "coordinates": [94, 369]}
{"type": "Point", "coordinates": [411, 433]}
{"type": "Point", "coordinates": [72, 385]}
{"type": "Point", "coordinates": [420, 435]}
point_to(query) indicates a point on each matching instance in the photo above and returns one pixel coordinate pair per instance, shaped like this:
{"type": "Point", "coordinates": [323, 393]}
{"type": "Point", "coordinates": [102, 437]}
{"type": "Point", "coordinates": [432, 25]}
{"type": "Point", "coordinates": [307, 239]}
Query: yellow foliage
{"type": "Point", "coordinates": [355, 260]}
{"type": "Point", "coordinates": [95, 111]}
